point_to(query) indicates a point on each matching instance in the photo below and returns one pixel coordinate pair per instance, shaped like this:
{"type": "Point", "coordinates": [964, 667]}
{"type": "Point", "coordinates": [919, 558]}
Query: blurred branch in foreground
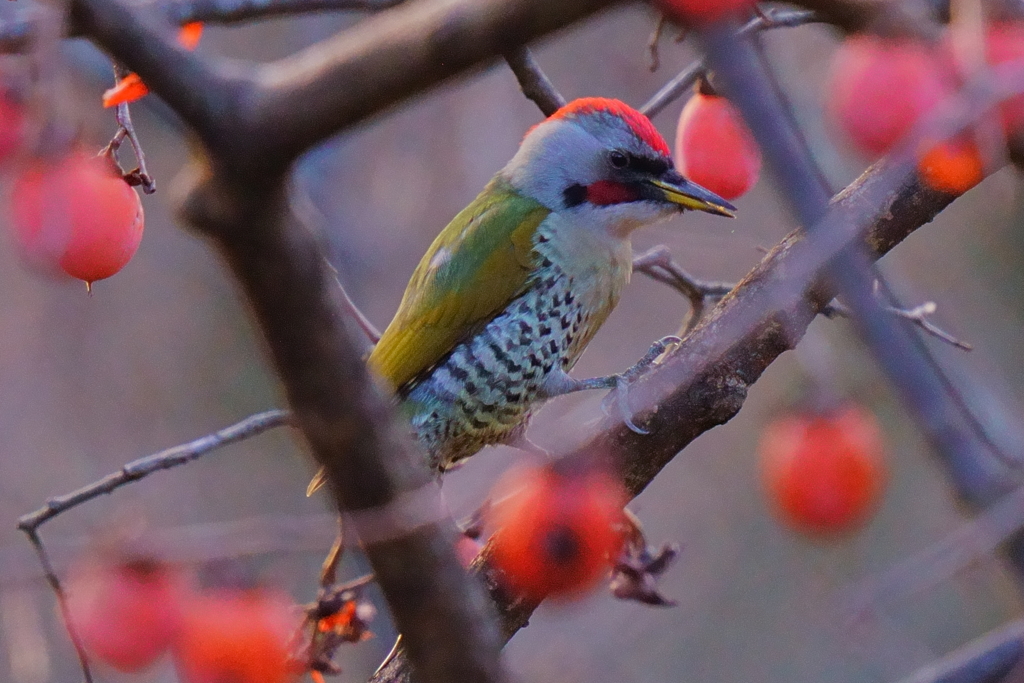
{"type": "Point", "coordinates": [995, 656]}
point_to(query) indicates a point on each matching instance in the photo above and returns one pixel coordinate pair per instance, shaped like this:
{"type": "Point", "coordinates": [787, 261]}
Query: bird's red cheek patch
{"type": "Point", "coordinates": [605, 192]}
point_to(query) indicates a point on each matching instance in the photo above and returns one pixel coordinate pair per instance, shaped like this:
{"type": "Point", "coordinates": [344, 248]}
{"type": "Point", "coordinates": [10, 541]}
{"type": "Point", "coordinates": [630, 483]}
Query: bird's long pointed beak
{"type": "Point", "coordinates": [678, 190]}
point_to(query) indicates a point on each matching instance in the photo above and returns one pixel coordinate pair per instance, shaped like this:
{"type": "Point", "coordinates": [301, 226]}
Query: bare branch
{"type": "Point", "coordinates": [917, 315]}
{"type": "Point", "coordinates": [684, 81]}
{"type": "Point", "coordinates": [652, 43]}
{"type": "Point", "coordinates": [376, 474]}
{"type": "Point", "coordinates": [204, 95]}
{"type": "Point", "coordinates": [234, 11]}
{"type": "Point", "coordinates": [987, 659]}
{"type": "Point", "coordinates": [143, 467]}
{"type": "Point", "coordinates": [703, 382]}
{"type": "Point", "coordinates": [534, 84]}
{"type": "Point", "coordinates": [126, 130]}
{"type": "Point", "coordinates": [408, 50]}
{"type": "Point", "coordinates": [658, 265]}
{"type": "Point", "coordinates": [978, 538]}
{"type": "Point", "coordinates": [18, 32]}
{"type": "Point", "coordinates": [62, 601]}
{"type": "Point", "coordinates": [745, 77]}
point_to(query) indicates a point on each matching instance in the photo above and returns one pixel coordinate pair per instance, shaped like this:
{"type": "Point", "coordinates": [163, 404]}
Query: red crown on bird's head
{"type": "Point", "coordinates": [640, 124]}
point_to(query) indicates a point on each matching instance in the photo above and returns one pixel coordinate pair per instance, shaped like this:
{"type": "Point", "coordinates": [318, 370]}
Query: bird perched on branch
{"type": "Point", "coordinates": [510, 293]}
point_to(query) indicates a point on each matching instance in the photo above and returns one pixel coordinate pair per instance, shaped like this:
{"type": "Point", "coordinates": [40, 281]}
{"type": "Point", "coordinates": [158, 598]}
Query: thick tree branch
{"type": "Point", "coordinates": [534, 83]}
{"type": "Point", "coordinates": [18, 31]}
{"type": "Point", "coordinates": [377, 475]}
{"type": "Point", "coordinates": [390, 57]}
{"type": "Point", "coordinates": [204, 93]}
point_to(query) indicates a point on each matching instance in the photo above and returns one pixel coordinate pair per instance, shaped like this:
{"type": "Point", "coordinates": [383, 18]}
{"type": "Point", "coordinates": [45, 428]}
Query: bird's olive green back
{"type": "Point", "coordinates": [478, 264]}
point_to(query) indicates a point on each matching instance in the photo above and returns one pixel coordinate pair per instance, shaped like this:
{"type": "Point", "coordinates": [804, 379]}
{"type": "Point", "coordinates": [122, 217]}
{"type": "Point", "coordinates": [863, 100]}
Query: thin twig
{"type": "Point", "coordinates": [62, 601]}
{"type": "Point", "coordinates": [681, 84]}
{"type": "Point", "coordinates": [658, 265]}
{"type": "Point", "coordinates": [652, 43]}
{"type": "Point", "coordinates": [918, 315]}
{"type": "Point", "coordinates": [139, 176]}
{"type": "Point", "coordinates": [138, 469]}
{"type": "Point", "coordinates": [532, 80]}
{"type": "Point", "coordinates": [362, 322]}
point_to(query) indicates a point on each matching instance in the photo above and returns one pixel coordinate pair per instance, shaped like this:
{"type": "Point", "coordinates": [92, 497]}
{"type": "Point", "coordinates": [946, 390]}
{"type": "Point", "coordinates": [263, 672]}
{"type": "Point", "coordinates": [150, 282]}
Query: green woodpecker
{"type": "Point", "coordinates": [510, 293]}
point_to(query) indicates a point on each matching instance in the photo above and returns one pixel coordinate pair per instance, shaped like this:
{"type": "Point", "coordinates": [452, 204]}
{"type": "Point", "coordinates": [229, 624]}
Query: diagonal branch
{"type": "Point", "coordinates": [164, 460]}
{"type": "Point", "coordinates": [703, 383]}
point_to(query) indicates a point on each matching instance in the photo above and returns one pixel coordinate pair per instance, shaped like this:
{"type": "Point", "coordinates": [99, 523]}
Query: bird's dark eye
{"type": "Point", "coordinates": [618, 159]}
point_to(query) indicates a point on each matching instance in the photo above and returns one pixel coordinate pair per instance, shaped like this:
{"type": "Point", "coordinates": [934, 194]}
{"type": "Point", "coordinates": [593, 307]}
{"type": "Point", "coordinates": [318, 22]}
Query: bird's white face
{"type": "Point", "coordinates": [598, 166]}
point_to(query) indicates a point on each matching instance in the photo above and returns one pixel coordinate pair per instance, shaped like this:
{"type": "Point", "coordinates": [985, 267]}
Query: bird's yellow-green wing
{"type": "Point", "coordinates": [478, 264]}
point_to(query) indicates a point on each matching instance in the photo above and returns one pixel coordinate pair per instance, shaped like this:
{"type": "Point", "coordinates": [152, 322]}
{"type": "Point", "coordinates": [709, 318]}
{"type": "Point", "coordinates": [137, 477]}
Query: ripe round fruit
{"type": "Point", "coordinates": [77, 214]}
{"type": "Point", "coordinates": [714, 148]}
{"type": "Point", "coordinates": [237, 636]}
{"type": "Point", "coordinates": [126, 613]}
{"type": "Point", "coordinates": [556, 534]}
{"type": "Point", "coordinates": [704, 11]}
{"type": "Point", "coordinates": [879, 88]}
{"type": "Point", "coordinates": [824, 474]}
{"type": "Point", "coordinates": [954, 166]}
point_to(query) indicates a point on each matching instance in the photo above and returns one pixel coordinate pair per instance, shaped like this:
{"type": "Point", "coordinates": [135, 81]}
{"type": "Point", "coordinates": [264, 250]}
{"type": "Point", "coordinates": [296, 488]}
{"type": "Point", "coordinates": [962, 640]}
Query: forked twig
{"type": "Point", "coordinates": [658, 265]}
{"type": "Point", "coordinates": [652, 43]}
{"type": "Point", "coordinates": [681, 84]}
{"type": "Point", "coordinates": [126, 130]}
{"type": "Point", "coordinates": [133, 471]}
{"type": "Point", "coordinates": [918, 315]}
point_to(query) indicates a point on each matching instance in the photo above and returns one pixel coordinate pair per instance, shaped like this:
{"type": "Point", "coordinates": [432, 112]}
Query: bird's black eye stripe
{"type": "Point", "coordinates": [649, 165]}
{"type": "Point", "coordinates": [653, 166]}
{"type": "Point", "coordinates": [618, 159]}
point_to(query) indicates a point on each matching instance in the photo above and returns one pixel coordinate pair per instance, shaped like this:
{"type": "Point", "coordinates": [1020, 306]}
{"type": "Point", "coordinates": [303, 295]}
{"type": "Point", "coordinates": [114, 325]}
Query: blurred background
{"type": "Point", "coordinates": [165, 352]}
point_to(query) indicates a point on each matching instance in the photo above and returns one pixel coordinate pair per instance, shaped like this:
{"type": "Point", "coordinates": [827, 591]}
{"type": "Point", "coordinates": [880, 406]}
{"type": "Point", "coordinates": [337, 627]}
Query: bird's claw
{"type": "Point", "coordinates": [620, 393]}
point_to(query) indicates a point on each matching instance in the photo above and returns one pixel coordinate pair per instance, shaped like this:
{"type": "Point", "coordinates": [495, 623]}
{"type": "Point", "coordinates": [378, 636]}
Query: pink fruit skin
{"type": "Point", "coordinates": [126, 614]}
{"type": "Point", "coordinates": [879, 89]}
{"type": "Point", "coordinates": [715, 149]}
{"type": "Point", "coordinates": [77, 215]}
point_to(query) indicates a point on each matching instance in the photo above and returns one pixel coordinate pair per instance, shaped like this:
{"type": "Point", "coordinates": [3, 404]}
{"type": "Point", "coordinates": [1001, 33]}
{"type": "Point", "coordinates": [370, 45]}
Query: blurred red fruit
{"type": "Point", "coordinates": [127, 613]}
{"type": "Point", "coordinates": [954, 167]}
{"type": "Point", "coordinates": [12, 127]}
{"type": "Point", "coordinates": [78, 214]}
{"type": "Point", "coordinates": [880, 88]}
{"type": "Point", "coordinates": [714, 148]}
{"type": "Point", "coordinates": [1005, 43]}
{"type": "Point", "coordinates": [236, 636]}
{"type": "Point", "coordinates": [824, 474]}
{"type": "Point", "coordinates": [556, 534]}
{"type": "Point", "coordinates": [703, 11]}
